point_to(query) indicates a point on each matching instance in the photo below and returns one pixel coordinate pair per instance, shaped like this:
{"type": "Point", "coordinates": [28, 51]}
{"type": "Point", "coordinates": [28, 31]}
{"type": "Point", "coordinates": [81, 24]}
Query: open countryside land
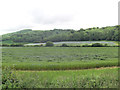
{"type": "Point", "coordinates": [92, 64]}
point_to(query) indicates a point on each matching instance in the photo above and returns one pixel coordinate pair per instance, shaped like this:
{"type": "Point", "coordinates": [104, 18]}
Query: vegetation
{"type": "Point", "coordinates": [64, 45]}
{"type": "Point", "coordinates": [66, 65]}
{"type": "Point", "coordinates": [93, 78]}
{"type": "Point", "coordinates": [63, 65]}
{"type": "Point", "coordinates": [109, 33]}
{"type": "Point", "coordinates": [97, 45]}
{"type": "Point", "coordinates": [12, 45]}
{"type": "Point", "coordinates": [59, 58]}
{"type": "Point", "coordinates": [9, 79]}
{"type": "Point", "coordinates": [49, 44]}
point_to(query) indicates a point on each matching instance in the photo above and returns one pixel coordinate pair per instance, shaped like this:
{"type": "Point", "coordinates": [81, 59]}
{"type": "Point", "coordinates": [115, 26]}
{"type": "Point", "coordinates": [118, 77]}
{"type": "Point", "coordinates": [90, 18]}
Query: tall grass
{"type": "Point", "coordinates": [62, 65]}
{"type": "Point", "coordinates": [59, 58]}
{"type": "Point", "coordinates": [103, 78]}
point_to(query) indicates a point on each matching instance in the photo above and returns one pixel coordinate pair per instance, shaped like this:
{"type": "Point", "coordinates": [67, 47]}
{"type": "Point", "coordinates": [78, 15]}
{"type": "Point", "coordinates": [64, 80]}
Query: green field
{"type": "Point", "coordinates": [59, 58]}
{"type": "Point", "coordinates": [60, 67]}
{"type": "Point", "coordinates": [92, 78]}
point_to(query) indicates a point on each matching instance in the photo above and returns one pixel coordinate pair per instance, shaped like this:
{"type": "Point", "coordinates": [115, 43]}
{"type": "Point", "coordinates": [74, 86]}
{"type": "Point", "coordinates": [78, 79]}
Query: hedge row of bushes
{"type": "Point", "coordinates": [87, 45]}
{"type": "Point", "coordinates": [12, 45]}
{"type": "Point", "coordinates": [50, 44]}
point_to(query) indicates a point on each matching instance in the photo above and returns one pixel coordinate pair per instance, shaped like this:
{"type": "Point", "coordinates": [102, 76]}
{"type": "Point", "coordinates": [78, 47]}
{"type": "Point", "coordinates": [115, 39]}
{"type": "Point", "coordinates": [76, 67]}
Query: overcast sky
{"type": "Point", "coordinates": [16, 15]}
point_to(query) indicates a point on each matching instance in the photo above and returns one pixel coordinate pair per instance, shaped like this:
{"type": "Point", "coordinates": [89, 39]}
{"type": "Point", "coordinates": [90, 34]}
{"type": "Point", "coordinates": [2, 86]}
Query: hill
{"type": "Point", "coordinates": [109, 33]}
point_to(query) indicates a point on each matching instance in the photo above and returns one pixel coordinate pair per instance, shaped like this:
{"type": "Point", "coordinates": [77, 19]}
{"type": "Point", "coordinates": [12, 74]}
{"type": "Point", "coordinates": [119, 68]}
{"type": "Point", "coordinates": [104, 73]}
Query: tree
{"type": "Point", "coordinates": [64, 45]}
{"type": "Point", "coordinates": [97, 45]}
{"type": "Point", "coordinates": [49, 44]}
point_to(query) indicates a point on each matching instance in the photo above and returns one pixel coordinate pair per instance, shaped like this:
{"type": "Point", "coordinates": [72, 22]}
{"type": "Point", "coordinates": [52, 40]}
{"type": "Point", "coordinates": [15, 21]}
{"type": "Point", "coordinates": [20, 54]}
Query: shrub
{"type": "Point", "coordinates": [17, 45]}
{"type": "Point", "coordinates": [86, 45]}
{"type": "Point", "coordinates": [36, 45]}
{"type": "Point", "coordinates": [41, 45]}
{"type": "Point", "coordinates": [106, 45]}
{"type": "Point", "coordinates": [9, 79]}
{"type": "Point", "coordinates": [97, 45]}
{"type": "Point", "coordinates": [5, 45]}
{"type": "Point", "coordinates": [49, 44]}
{"type": "Point", "coordinates": [64, 45]}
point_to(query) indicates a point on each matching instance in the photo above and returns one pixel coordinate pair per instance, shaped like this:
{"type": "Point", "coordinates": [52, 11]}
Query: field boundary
{"type": "Point", "coordinates": [70, 69]}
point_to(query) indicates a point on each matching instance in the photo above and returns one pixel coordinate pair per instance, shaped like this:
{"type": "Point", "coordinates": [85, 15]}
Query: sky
{"type": "Point", "coordinates": [16, 15]}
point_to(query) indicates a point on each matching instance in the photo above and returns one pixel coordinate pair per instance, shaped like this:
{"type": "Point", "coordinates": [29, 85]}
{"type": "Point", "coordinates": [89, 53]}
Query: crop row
{"type": "Point", "coordinates": [62, 66]}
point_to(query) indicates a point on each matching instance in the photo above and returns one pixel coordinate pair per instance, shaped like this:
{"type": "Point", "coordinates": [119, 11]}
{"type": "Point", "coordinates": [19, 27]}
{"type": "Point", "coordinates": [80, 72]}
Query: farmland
{"type": "Point", "coordinates": [59, 58]}
{"type": "Point", "coordinates": [60, 67]}
{"type": "Point", "coordinates": [91, 78]}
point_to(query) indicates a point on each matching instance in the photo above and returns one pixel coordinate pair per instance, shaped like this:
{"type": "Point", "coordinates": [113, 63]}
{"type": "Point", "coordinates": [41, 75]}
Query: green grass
{"type": "Point", "coordinates": [59, 58]}
{"type": "Point", "coordinates": [62, 65]}
{"type": "Point", "coordinates": [103, 78]}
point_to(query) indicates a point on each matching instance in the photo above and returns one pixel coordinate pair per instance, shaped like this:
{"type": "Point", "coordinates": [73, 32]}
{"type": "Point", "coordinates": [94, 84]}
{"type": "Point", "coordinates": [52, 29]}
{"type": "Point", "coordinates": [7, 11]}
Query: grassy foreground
{"type": "Point", "coordinates": [92, 78]}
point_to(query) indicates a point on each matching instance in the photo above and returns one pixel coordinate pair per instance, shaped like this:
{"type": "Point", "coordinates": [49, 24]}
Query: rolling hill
{"type": "Point", "coordinates": [109, 33]}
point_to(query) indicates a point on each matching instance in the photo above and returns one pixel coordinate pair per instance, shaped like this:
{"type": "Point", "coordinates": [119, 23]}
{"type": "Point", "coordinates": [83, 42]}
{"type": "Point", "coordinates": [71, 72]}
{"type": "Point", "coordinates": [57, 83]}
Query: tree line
{"type": "Point", "coordinates": [51, 44]}
{"type": "Point", "coordinates": [109, 33]}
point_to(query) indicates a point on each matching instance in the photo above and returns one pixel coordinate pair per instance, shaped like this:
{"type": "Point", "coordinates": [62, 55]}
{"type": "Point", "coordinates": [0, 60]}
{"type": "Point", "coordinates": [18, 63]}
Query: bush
{"type": "Point", "coordinates": [49, 44]}
{"type": "Point", "coordinates": [5, 45]}
{"type": "Point", "coordinates": [86, 45]}
{"type": "Point", "coordinates": [36, 46]}
{"type": "Point", "coordinates": [106, 45]}
{"type": "Point", "coordinates": [9, 79]}
{"type": "Point", "coordinates": [64, 45]}
{"type": "Point", "coordinates": [41, 45]}
{"type": "Point", "coordinates": [97, 45]}
{"type": "Point", "coordinates": [17, 45]}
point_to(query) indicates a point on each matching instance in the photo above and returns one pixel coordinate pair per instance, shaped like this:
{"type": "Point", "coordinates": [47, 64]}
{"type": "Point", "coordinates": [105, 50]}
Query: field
{"type": "Point", "coordinates": [91, 78]}
{"type": "Point", "coordinates": [59, 58]}
{"type": "Point", "coordinates": [60, 67]}
{"type": "Point", "coordinates": [72, 79]}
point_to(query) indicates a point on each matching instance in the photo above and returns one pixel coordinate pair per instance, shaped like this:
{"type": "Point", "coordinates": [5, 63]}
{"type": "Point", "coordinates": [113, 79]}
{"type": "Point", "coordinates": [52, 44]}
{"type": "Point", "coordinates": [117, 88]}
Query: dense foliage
{"type": "Point", "coordinates": [9, 79]}
{"type": "Point", "coordinates": [49, 44]}
{"type": "Point", "coordinates": [91, 34]}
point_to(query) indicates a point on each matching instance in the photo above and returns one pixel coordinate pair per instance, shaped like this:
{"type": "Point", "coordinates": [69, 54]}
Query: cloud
{"type": "Point", "coordinates": [49, 14]}
{"type": "Point", "coordinates": [44, 17]}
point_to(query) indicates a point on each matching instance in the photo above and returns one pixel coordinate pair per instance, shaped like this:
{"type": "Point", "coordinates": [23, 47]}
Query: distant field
{"type": "Point", "coordinates": [60, 67]}
{"type": "Point", "coordinates": [59, 58]}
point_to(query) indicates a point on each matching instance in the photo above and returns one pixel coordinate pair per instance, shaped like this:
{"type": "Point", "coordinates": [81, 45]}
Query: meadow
{"type": "Point", "coordinates": [59, 58]}
{"type": "Point", "coordinates": [60, 67]}
{"type": "Point", "coordinates": [91, 78]}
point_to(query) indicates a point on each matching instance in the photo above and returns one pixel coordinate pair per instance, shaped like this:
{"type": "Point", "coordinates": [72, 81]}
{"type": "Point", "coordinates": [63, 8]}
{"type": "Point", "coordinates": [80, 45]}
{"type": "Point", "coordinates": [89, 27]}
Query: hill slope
{"type": "Point", "coordinates": [91, 34]}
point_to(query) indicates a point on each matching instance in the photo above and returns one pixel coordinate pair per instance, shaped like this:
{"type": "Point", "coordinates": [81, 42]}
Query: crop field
{"type": "Point", "coordinates": [59, 58]}
{"type": "Point", "coordinates": [60, 67]}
